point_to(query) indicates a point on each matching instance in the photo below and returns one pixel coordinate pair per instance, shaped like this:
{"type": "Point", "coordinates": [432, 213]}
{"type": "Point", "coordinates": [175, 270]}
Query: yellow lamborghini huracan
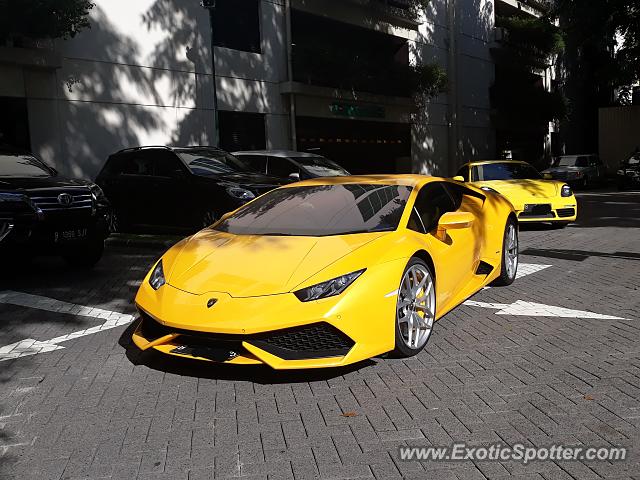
{"type": "Point", "coordinates": [327, 272]}
{"type": "Point", "coordinates": [534, 198]}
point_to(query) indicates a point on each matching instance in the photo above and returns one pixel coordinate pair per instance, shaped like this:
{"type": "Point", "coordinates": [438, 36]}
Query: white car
{"type": "Point", "coordinates": [290, 164]}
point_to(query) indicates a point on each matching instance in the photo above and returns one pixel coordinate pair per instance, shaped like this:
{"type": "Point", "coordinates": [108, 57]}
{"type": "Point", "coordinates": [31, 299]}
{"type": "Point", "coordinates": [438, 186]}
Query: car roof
{"type": "Point", "coordinates": [489, 162]}
{"type": "Point", "coordinates": [277, 153]}
{"type": "Point", "coordinates": [169, 147]}
{"type": "Point", "coordinates": [409, 180]}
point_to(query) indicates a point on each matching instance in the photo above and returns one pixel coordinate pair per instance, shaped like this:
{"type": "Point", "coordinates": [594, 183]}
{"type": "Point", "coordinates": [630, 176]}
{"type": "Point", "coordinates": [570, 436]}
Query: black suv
{"type": "Point", "coordinates": [44, 213]}
{"type": "Point", "coordinates": [178, 188]}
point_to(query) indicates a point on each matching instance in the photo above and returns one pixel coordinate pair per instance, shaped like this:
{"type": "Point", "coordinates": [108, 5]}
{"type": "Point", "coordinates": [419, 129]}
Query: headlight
{"type": "Point", "coordinates": [241, 193]}
{"type": "Point", "coordinates": [566, 191]}
{"type": "Point", "coordinates": [156, 280]}
{"type": "Point", "coordinates": [97, 194]}
{"type": "Point", "coordinates": [489, 189]}
{"type": "Point", "coordinates": [619, 172]}
{"type": "Point", "coordinates": [12, 197]}
{"type": "Point", "coordinates": [329, 288]}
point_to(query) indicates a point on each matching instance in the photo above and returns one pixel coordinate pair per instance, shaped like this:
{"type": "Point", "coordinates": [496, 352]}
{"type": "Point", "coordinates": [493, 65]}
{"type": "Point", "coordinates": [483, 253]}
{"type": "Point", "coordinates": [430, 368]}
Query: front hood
{"type": "Point", "coordinates": [254, 265]}
{"type": "Point", "coordinates": [525, 189]}
{"type": "Point", "coordinates": [29, 183]}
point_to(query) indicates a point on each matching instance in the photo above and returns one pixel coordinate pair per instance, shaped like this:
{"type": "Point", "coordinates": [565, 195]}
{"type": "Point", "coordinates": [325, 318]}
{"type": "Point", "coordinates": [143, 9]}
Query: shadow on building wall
{"type": "Point", "coordinates": [432, 123]}
{"type": "Point", "coordinates": [101, 113]}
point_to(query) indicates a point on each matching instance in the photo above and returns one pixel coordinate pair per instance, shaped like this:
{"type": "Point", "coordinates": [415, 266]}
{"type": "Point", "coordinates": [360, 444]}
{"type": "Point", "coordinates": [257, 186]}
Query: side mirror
{"type": "Point", "coordinates": [294, 176]}
{"type": "Point", "coordinates": [454, 221]}
{"type": "Point", "coordinates": [547, 176]}
{"type": "Point", "coordinates": [459, 178]}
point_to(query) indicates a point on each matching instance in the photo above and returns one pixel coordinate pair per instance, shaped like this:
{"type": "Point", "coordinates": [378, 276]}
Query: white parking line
{"type": "Point", "coordinates": [30, 346]}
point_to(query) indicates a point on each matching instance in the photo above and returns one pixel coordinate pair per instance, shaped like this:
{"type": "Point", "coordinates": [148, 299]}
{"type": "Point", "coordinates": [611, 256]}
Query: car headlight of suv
{"type": "Point", "coordinates": [156, 280]}
{"type": "Point", "coordinates": [241, 193]}
{"type": "Point", "coordinates": [97, 194]}
{"type": "Point", "coordinates": [329, 288]}
{"type": "Point", "coordinates": [566, 191]}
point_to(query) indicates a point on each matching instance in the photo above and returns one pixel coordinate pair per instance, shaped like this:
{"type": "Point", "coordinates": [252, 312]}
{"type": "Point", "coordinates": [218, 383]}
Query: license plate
{"type": "Point", "coordinates": [70, 235]}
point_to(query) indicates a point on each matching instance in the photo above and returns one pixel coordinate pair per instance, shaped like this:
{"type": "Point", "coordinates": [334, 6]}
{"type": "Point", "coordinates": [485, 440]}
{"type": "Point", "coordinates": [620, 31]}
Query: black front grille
{"type": "Point", "coordinates": [566, 212]}
{"type": "Point", "coordinates": [48, 200]}
{"type": "Point", "coordinates": [152, 330]}
{"type": "Point", "coordinates": [318, 340]}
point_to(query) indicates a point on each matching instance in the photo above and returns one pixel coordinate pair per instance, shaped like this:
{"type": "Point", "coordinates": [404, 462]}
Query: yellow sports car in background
{"type": "Point", "coordinates": [534, 198]}
{"type": "Point", "coordinates": [327, 272]}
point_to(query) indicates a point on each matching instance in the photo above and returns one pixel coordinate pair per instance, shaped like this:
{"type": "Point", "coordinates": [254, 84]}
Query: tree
{"type": "Point", "coordinates": [37, 19]}
{"type": "Point", "coordinates": [602, 56]}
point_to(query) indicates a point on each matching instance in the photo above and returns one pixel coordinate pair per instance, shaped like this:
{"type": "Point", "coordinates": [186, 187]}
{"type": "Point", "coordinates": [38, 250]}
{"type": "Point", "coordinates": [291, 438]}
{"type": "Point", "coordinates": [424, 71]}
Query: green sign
{"type": "Point", "coordinates": [353, 110]}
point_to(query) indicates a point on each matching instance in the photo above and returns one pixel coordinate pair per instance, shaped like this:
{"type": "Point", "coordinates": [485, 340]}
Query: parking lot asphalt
{"type": "Point", "coordinates": [552, 359]}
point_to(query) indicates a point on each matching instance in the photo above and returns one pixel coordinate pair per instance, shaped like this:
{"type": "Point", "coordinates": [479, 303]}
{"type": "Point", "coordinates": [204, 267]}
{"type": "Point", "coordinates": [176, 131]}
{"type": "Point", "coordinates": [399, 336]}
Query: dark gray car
{"type": "Point", "coordinates": [291, 165]}
{"type": "Point", "coordinates": [578, 170]}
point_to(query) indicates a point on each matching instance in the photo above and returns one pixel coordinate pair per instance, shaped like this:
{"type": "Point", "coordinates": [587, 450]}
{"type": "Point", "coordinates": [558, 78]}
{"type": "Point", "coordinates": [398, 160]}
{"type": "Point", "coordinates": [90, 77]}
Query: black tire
{"type": "Point", "coordinates": [402, 350]}
{"type": "Point", "coordinates": [85, 256]}
{"type": "Point", "coordinates": [506, 277]}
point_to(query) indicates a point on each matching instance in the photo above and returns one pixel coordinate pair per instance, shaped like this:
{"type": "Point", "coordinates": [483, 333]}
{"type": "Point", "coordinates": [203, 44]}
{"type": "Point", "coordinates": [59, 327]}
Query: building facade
{"type": "Point", "coordinates": [327, 76]}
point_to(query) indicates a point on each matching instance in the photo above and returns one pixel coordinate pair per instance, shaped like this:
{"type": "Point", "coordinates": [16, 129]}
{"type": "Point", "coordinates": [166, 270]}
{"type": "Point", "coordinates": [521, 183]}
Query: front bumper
{"type": "Point", "coordinates": [276, 330]}
{"type": "Point", "coordinates": [560, 209]}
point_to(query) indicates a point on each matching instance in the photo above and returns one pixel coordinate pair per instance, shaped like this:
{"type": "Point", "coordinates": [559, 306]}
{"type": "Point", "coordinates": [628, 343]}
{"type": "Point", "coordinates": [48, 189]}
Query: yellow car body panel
{"type": "Point", "coordinates": [530, 192]}
{"type": "Point", "coordinates": [239, 288]}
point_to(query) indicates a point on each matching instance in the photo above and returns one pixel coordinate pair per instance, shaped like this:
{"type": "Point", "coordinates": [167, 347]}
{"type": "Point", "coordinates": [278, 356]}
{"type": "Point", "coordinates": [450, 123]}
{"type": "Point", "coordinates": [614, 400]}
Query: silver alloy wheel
{"type": "Point", "coordinates": [511, 250]}
{"type": "Point", "coordinates": [415, 310]}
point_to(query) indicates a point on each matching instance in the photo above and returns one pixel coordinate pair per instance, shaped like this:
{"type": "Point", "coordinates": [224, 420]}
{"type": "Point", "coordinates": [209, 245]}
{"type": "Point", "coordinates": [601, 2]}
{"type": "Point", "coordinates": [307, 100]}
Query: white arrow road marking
{"type": "Point", "coordinates": [531, 309]}
{"type": "Point", "coordinates": [525, 269]}
{"type": "Point", "coordinates": [30, 346]}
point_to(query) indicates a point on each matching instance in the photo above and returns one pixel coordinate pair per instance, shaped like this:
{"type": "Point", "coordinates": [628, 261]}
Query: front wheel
{"type": "Point", "coordinates": [509, 267]}
{"type": "Point", "coordinates": [85, 256]}
{"type": "Point", "coordinates": [415, 309]}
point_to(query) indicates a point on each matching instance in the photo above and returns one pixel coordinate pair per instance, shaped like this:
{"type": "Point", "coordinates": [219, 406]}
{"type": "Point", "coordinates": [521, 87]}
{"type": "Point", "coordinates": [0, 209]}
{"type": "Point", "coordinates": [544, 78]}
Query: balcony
{"type": "Point", "coordinates": [328, 53]}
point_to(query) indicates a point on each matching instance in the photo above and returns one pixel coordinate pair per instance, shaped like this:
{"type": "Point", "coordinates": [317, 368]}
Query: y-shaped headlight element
{"type": "Point", "coordinates": [329, 288]}
{"type": "Point", "coordinates": [156, 280]}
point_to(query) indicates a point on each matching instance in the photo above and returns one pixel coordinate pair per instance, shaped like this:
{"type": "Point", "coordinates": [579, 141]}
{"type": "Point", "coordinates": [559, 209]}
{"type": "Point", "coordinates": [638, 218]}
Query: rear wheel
{"type": "Point", "coordinates": [509, 267]}
{"type": "Point", "coordinates": [415, 308]}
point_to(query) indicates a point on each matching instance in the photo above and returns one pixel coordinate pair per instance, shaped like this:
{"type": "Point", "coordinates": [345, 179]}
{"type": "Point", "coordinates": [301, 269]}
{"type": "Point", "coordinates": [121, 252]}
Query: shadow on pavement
{"type": "Point", "coordinates": [261, 374]}
{"type": "Point", "coordinates": [577, 255]}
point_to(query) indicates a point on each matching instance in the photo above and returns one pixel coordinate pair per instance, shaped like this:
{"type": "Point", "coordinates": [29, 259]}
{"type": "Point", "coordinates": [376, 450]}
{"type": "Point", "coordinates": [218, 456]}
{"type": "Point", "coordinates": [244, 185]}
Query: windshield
{"type": "Point", "coordinates": [321, 210]}
{"type": "Point", "coordinates": [321, 167]}
{"type": "Point", "coordinates": [504, 171]}
{"type": "Point", "coordinates": [573, 162]}
{"type": "Point", "coordinates": [23, 166]}
{"type": "Point", "coordinates": [207, 162]}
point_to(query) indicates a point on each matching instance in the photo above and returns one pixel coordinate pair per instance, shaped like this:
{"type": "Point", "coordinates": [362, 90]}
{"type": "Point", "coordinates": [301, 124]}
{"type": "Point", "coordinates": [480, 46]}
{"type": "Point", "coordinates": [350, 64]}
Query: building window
{"type": "Point", "coordinates": [241, 131]}
{"type": "Point", "coordinates": [236, 25]}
